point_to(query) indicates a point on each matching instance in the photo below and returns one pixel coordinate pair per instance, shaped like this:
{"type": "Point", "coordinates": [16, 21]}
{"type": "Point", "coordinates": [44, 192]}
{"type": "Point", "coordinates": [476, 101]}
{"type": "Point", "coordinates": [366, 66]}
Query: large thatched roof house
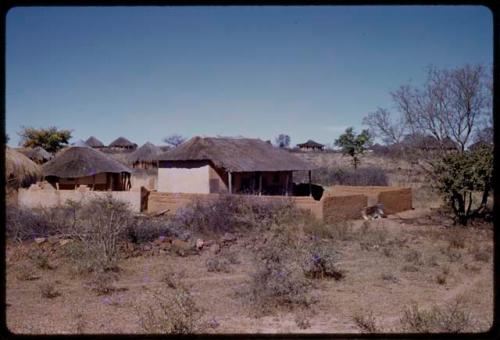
{"type": "Point", "coordinates": [93, 142]}
{"type": "Point", "coordinates": [122, 143]}
{"type": "Point", "coordinates": [37, 154]}
{"type": "Point", "coordinates": [234, 165]}
{"type": "Point", "coordinates": [145, 157]}
{"type": "Point", "coordinates": [77, 165]}
{"type": "Point", "coordinates": [311, 145]}
{"type": "Point", "coordinates": [20, 171]}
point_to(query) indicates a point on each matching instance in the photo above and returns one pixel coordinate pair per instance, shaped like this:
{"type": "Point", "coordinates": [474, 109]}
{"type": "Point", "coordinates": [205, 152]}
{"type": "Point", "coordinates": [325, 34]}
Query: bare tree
{"type": "Point", "coordinates": [449, 105]}
{"type": "Point", "coordinates": [174, 140]}
{"type": "Point", "coordinates": [391, 130]}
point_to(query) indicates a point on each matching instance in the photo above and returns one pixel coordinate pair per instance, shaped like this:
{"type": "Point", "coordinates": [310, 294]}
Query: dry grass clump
{"type": "Point", "coordinates": [370, 238]}
{"type": "Point", "coordinates": [320, 261]}
{"type": "Point", "coordinates": [453, 318]}
{"type": "Point", "coordinates": [101, 283]}
{"type": "Point", "coordinates": [414, 257]}
{"type": "Point", "coordinates": [365, 321]}
{"type": "Point", "coordinates": [302, 320]}
{"type": "Point", "coordinates": [340, 231]}
{"type": "Point", "coordinates": [218, 264]}
{"type": "Point", "coordinates": [40, 259]}
{"type": "Point", "coordinates": [26, 273]}
{"type": "Point", "coordinates": [48, 291]}
{"type": "Point", "coordinates": [389, 277]}
{"type": "Point", "coordinates": [171, 312]}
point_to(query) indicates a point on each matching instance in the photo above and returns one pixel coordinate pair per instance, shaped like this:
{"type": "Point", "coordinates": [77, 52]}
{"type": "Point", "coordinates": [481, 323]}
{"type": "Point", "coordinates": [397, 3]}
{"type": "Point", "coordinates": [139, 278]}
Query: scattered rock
{"type": "Point", "coordinates": [146, 247]}
{"type": "Point", "coordinates": [199, 244]}
{"type": "Point", "coordinates": [180, 244]}
{"type": "Point", "coordinates": [40, 240]}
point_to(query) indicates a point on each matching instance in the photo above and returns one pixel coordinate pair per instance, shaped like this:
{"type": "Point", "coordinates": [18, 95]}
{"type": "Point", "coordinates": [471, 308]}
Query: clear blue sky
{"type": "Point", "coordinates": [147, 72]}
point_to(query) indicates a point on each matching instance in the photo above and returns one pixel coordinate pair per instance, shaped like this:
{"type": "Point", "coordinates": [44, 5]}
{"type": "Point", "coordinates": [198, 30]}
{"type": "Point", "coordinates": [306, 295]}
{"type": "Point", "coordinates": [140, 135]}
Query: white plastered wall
{"type": "Point", "coordinates": [194, 180]}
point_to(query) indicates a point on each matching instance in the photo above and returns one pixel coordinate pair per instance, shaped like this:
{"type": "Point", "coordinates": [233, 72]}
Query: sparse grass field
{"type": "Point", "coordinates": [411, 272]}
{"type": "Point", "coordinates": [392, 265]}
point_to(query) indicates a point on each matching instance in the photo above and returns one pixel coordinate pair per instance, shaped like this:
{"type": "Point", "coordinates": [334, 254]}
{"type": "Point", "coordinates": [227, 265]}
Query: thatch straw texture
{"type": "Point", "coordinates": [237, 155]}
{"type": "Point", "coordinates": [77, 161]}
{"type": "Point", "coordinates": [146, 153]}
{"type": "Point", "coordinates": [122, 142]}
{"type": "Point", "coordinates": [310, 144]}
{"type": "Point", "coordinates": [94, 142]}
{"type": "Point", "coordinates": [37, 154]}
{"type": "Point", "coordinates": [20, 171]}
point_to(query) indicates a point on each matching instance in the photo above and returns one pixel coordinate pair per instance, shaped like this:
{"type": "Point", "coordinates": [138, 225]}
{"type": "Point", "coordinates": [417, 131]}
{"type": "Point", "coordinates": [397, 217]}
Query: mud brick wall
{"type": "Point", "coordinates": [343, 207]}
{"type": "Point", "coordinates": [395, 201]}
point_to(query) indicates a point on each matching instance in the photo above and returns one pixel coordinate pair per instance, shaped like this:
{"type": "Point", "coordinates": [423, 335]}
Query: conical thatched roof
{"type": "Point", "coordinates": [146, 153]}
{"type": "Point", "coordinates": [20, 171]}
{"type": "Point", "coordinates": [238, 155]}
{"type": "Point", "coordinates": [78, 161]}
{"type": "Point", "coordinates": [94, 142]}
{"type": "Point", "coordinates": [310, 144]}
{"type": "Point", "coordinates": [122, 142]}
{"type": "Point", "coordinates": [37, 154]}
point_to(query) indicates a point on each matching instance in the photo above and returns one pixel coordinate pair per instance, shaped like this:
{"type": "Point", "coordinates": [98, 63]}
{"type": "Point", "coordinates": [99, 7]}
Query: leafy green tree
{"type": "Point", "coordinates": [51, 139]}
{"type": "Point", "coordinates": [354, 145]}
{"type": "Point", "coordinates": [459, 175]}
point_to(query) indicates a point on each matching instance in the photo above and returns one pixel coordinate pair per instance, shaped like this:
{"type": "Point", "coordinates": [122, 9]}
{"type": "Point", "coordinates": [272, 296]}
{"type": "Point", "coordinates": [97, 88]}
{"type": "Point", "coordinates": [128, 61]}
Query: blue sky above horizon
{"type": "Point", "coordinates": [148, 72]}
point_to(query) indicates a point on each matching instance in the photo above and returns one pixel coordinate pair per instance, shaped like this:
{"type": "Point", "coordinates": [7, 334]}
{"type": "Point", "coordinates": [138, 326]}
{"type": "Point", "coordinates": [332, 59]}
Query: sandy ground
{"type": "Point", "coordinates": [222, 295]}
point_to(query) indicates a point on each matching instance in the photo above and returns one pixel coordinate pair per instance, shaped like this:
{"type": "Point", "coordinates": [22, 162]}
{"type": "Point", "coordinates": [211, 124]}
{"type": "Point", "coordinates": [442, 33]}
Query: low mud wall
{"type": "Point", "coordinates": [47, 197]}
{"type": "Point", "coordinates": [343, 207]}
{"type": "Point", "coordinates": [396, 200]}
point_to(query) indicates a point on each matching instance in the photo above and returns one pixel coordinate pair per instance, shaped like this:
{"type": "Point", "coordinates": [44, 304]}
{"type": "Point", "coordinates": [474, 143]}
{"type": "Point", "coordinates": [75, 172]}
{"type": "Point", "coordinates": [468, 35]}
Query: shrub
{"type": "Point", "coordinates": [48, 291]}
{"type": "Point", "coordinates": [173, 312]}
{"type": "Point", "coordinates": [102, 283]}
{"type": "Point", "coordinates": [454, 318]}
{"type": "Point", "coordinates": [148, 228]}
{"type": "Point", "coordinates": [320, 262]}
{"type": "Point", "coordinates": [441, 279]}
{"type": "Point", "coordinates": [230, 213]}
{"type": "Point", "coordinates": [365, 321]}
{"type": "Point", "coordinates": [346, 176]}
{"type": "Point", "coordinates": [482, 255]}
{"type": "Point", "coordinates": [458, 175]}
{"type": "Point", "coordinates": [279, 279]}
{"type": "Point", "coordinates": [372, 238]}
{"type": "Point", "coordinates": [414, 256]}
{"type": "Point", "coordinates": [218, 264]}
{"type": "Point", "coordinates": [40, 259]}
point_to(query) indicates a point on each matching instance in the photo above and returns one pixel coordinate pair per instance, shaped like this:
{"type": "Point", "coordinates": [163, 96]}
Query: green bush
{"type": "Point", "coordinates": [459, 175]}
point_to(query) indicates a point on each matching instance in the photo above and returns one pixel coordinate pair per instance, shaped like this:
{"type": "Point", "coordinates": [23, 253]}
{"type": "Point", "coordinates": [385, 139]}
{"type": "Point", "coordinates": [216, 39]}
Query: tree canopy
{"type": "Point", "coordinates": [51, 139]}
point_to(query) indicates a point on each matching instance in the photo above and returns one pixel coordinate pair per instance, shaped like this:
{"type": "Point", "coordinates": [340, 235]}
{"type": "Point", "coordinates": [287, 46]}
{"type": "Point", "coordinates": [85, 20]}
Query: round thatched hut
{"type": "Point", "coordinates": [145, 157]}
{"type": "Point", "coordinates": [123, 144]}
{"type": "Point", "coordinates": [20, 171]}
{"type": "Point", "coordinates": [76, 165]}
{"type": "Point", "coordinates": [37, 154]}
{"type": "Point", "coordinates": [94, 143]}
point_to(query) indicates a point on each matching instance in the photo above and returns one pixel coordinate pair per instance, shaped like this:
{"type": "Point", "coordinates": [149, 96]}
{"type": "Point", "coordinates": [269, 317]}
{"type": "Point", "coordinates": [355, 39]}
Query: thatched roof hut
{"type": "Point", "coordinates": [237, 155]}
{"type": "Point", "coordinates": [20, 171]}
{"type": "Point", "coordinates": [83, 164]}
{"type": "Point", "coordinates": [122, 142]}
{"type": "Point", "coordinates": [37, 154]}
{"type": "Point", "coordinates": [311, 145]}
{"type": "Point", "coordinates": [228, 165]}
{"type": "Point", "coordinates": [94, 142]}
{"type": "Point", "coordinates": [146, 154]}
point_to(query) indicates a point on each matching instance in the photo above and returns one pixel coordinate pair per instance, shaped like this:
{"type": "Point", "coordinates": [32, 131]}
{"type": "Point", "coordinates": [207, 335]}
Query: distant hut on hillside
{"type": "Point", "coordinates": [37, 154]}
{"type": "Point", "coordinates": [76, 165]}
{"type": "Point", "coordinates": [122, 143]}
{"type": "Point", "coordinates": [94, 143]}
{"type": "Point", "coordinates": [310, 145]}
{"type": "Point", "coordinates": [232, 165]}
{"type": "Point", "coordinates": [145, 157]}
{"type": "Point", "coordinates": [20, 171]}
